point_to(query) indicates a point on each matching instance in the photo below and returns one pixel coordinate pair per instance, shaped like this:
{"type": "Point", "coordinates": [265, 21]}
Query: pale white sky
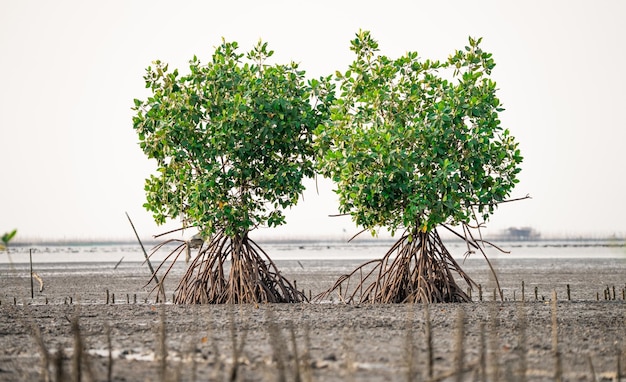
{"type": "Point", "coordinates": [71, 165]}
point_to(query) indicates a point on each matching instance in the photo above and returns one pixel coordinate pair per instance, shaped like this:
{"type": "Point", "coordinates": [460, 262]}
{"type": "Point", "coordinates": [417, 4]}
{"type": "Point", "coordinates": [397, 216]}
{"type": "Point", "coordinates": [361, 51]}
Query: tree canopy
{"type": "Point", "coordinates": [417, 143]}
{"type": "Point", "coordinates": [232, 139]}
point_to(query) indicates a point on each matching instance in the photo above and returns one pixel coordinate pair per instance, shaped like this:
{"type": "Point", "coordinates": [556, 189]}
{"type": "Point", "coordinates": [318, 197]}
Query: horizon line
{"type": "Point", "coordinates": [19, 242]}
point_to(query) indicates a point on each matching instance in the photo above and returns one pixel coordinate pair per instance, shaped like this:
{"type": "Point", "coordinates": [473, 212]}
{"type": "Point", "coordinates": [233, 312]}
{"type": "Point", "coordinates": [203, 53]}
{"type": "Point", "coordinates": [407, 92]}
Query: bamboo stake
{"type": "Point", "coordinates": [523, 342]}
{"type": "Point", "coordinates": [429, 342]}
{"type": "Point", "coordinates": [493, 342]}
{"type": "Point", "coordinates": [483, 354]}
{"type": "Point", "coordinates": [592, 369]}
{"type": "Point", "coordinates": [77, 358]}
{"type": "Point", "coordinates": [156, 279]}
{"type": "Point", "coordinates": [58, 363]}
{"type": "Point", "coordinates": [410, 352]}
{"type": "Point", "coordinates": [162, 341]}
{"type": "Point", "coordinates": [45, 354]}
{"type": "Point", "coordinates": [296, 358]}
{"type": "Point", "coordinates": [306, 357]}
{"type": "Point", "coordinates": [110, 352]}
{"type": "Point", "coordinates": [619, 365]}
{"type": "Point", "coordinates": [460, 334]}
{"type": "Point", "coordinates": [32, 287]}
{"type": "Point", "coordinates": [558, 372]}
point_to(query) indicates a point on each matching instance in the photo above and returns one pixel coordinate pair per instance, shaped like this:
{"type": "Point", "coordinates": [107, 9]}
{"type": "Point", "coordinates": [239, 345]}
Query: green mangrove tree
{"type": "Point", "coordinates": [232, 140]}
{"type": "Point", "coordinates": [414, 145]}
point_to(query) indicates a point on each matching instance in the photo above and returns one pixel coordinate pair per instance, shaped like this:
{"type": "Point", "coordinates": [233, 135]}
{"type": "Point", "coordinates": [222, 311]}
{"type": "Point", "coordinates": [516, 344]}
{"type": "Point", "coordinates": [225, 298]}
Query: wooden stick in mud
{"type": "Point", "coordinates": [494, 358]}
{"type": "Point", "coordinates": [162, 345]}
{"type": "Point", "coordinates": [45, 354]}
{"type": "Point", "coordinates": [613, 292]}
{"type": "Point", "coordinates": [429, 342]}
{"type": "Point", "coordinates": [409, 346]}
{"type": "Point", "coordinates": [145, 254]}
{"type": "Point", "coordinates": [118, 263]}
{"type": "Point", "coordinates": [296, 359]}
{"type": "Point", "coordinates": [77, 357]}
{"type": "Point", "coordinates": [32, 288]}
{"type": "Point", "coordinates": [460, 334]}
{"type": "Point", "coordinates": [522, 341]}
{"type": "Point", "coordinates": [482, 361]}
{"type": "Point", "coordinates": [558, 373]}
{"type": "Point", "coordinates": [110, 352]}
{"type": "Point", "coordinates": [593, 370]}
{"type": "Point", "coordinates": [619, 365]}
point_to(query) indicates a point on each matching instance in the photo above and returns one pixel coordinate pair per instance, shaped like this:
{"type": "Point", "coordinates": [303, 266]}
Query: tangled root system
{"type": "Point", "coordinates": [231, 270]}
{"type": "Point", "coordinates": [417, 268]}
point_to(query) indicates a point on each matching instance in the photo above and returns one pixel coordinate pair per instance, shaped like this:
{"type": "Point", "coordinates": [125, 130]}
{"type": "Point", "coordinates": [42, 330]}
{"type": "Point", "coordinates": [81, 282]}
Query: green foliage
{"type": "Point", "coordinates": [232, 139]}
{"type": "Point", "coordinates": [6, 238]}
{"type": "Point", "coordinates": [417, 143]}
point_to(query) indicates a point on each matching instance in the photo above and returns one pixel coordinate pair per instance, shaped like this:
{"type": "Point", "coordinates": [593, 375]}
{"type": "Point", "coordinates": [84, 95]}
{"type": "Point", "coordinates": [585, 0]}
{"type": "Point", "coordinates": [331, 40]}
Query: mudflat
{"type": "Point", "coordinates": [580, 336]}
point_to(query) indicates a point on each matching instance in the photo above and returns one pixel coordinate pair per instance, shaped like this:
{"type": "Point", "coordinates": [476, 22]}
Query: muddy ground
{"type": "Point", "coordinates": [135, 339]}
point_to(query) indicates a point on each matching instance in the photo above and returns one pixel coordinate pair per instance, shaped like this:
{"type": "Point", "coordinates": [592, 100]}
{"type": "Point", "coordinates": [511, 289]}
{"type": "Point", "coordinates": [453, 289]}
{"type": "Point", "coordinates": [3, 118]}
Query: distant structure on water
{"type": "Point", "coordinates": [522, 233]}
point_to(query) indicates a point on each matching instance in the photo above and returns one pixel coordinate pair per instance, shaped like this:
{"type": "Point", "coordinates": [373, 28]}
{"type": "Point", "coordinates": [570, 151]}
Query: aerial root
{"type": "Point", "coordinates": [232, 270]}
{"type": "Point", "coordinates": [417, 268]}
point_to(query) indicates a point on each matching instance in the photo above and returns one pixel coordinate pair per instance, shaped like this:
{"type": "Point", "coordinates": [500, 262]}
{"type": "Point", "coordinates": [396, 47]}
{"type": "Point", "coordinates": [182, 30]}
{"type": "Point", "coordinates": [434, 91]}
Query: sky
{"type": "Point", "coordinates": [72, 166]}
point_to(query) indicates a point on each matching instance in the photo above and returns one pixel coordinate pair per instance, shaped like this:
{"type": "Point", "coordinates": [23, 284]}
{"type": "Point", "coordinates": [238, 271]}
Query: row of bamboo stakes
{"type": "Point", "coordinates": [608, 293]}
{"type": "Point", "coordinates": [487, 367]}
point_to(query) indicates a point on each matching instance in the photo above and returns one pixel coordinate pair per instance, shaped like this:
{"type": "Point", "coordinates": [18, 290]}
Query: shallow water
{"type": "Point", "coordinates": [318, 260]}
{"type": "Point", "coordinates": [86, 271]}
{"type": "Point", "coordinates": [85, 253]}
